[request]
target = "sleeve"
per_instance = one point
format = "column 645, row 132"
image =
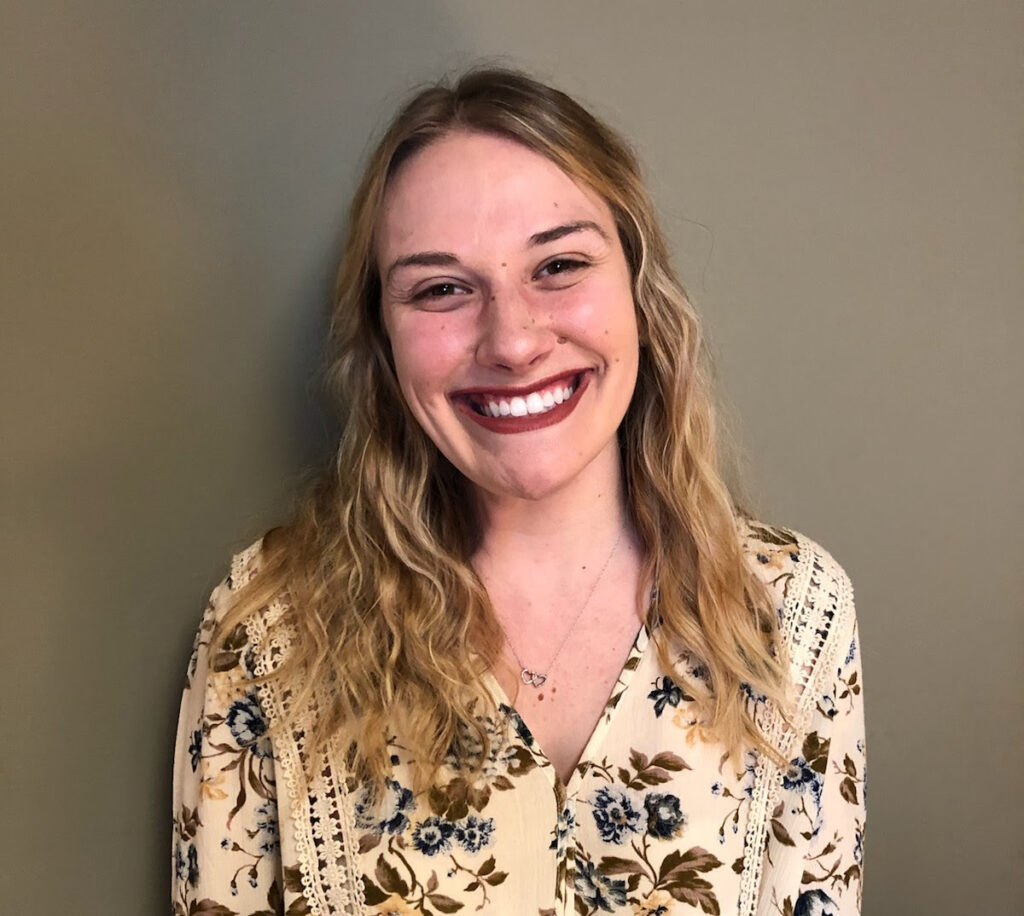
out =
column 818, row 824
column 226, row 843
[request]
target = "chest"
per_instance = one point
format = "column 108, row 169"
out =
column 562, row 712
column 648, row 795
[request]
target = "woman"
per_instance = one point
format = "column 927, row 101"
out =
column 519, row 652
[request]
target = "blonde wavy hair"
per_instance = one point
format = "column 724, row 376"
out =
column 390, row 628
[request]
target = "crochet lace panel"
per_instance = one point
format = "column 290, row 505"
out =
column 818, row 603
column 319, row 810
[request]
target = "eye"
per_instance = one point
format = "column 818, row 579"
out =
column 562, row 265
column 438, row 292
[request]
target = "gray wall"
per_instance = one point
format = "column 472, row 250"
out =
column 843, row 185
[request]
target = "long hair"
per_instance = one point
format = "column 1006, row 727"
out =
column 389, row 627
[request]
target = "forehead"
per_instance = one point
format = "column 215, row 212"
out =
column 469, row 190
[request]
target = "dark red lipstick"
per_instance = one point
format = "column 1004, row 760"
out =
column 472, row 402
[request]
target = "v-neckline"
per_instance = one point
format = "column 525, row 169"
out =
column 622, row 683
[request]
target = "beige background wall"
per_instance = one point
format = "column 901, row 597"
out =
column 844, row 186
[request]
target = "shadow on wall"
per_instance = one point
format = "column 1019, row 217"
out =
column 181, row 176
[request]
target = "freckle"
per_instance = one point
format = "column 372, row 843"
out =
column 493, row 298
column 554, row 690
column 555, row 203
column 533, row 321
column 540, row 697
column 503, row 264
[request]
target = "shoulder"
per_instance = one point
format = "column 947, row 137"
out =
column 245, row 565
column 794, row 568
column 812, row 593
column 221, row 647
column 241, row 571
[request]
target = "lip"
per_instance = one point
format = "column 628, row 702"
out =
column 512, row 425
column 510, row 391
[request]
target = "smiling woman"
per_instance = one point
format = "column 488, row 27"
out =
column 519, row 651
column 530, row 301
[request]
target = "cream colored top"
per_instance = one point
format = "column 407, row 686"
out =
column 652, row 820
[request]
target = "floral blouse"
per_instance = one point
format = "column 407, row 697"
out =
column 654, row 821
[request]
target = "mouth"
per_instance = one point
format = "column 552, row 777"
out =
column 514, row 410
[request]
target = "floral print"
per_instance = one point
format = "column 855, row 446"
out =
column 598, row 891
column 656, row 820
column 666, row 693
column 433, row 836
column 665, row 820
column 815, row 903
column 227, row 836
column 474, row 833
column 390, row 815
column 247, row 726
column 615, row 815
column 563, row 832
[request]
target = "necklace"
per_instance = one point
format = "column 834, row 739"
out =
column 533, row 677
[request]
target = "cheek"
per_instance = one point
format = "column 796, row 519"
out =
column 426, row 349
column 604, row 315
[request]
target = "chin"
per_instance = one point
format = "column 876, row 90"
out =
column 532, row 486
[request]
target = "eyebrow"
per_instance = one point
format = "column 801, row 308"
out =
column 553, row 235
column 446, row 259
column 422, row 259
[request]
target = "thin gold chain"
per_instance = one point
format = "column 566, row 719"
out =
column 531, row 677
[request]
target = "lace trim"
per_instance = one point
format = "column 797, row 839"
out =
column 817, row 604
column 321, row 816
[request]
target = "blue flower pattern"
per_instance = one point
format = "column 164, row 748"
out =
column 195, row 749
column 801, row 779
column 615, row 815
column 665, row 819
column 474, row 833
column 267, row 827
column 599, row 891
column 391, row 815
column 666, row 693
column 815, row 903
column 563, row 832
column 433, row 836
column 247, row 725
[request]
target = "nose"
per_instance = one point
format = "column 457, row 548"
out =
column 514, row 334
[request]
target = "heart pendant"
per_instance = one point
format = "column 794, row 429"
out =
column 532, row 678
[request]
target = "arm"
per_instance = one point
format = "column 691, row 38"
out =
column 821, row 812
column 226, row 844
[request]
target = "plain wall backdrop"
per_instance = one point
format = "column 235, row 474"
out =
column 843, row 184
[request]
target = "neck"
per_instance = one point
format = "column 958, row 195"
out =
column 562, row 527
column 561, row 573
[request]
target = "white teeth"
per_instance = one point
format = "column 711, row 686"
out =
column 533, row 403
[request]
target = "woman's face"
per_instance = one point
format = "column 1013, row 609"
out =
column 507, row 301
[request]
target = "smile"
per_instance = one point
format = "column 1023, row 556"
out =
column 514, row 410
column 536, row 402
